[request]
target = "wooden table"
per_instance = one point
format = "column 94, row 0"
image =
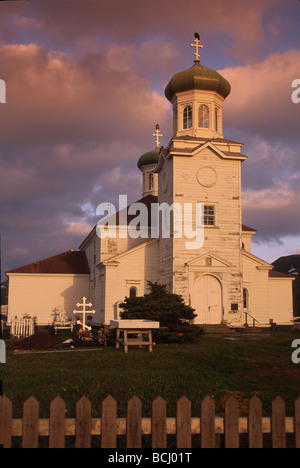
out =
column 127, row 328
column 127, row 340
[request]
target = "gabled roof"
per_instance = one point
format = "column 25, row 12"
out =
column 261, row 264
column 247, row 228
column 216, row 145
column 278, row 274
column 70, row 262
column 114, row 260
column 115, row 219
column 147, row 201
column 212, row 256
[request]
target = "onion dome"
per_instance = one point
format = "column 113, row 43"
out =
column 197, row 77
column 151, row 157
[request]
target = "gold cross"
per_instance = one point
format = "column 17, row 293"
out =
column 157, row 134
column 197, row 45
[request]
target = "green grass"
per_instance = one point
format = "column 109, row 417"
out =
column 213, row 366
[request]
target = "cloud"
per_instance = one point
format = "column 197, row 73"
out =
column 54, row 98
column 76, row 24
column 273, row 211
column 260, row 100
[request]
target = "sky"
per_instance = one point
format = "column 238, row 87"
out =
column 85, row 83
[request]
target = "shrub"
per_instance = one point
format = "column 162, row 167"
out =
column 166, row 308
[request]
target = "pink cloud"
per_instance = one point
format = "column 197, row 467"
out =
column 52, row 97
column 260, row 100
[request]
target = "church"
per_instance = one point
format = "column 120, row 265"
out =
column 216, row 273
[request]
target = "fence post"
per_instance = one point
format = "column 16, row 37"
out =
column 158, row 423
column 297, row 423
column 278, row 423
column 57, row 423
column 255, row 423
column 30, row 432
column 109, row 423
column 5, row 422
column 208, row 426
column 134, row 423
column 183, row 423
column 231, row 423
column 83, row 423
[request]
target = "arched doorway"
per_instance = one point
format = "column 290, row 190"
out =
column 208, row 300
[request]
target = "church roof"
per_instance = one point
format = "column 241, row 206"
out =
column 247, row 228
column 197, row 77
column 147, row 201
column 70, row 262
column 151, row 157
column 278, row 274
column 213, row 140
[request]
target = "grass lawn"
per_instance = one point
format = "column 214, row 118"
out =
column 213, row 366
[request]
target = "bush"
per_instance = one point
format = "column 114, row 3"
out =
column 166, row 308
column 184, row 334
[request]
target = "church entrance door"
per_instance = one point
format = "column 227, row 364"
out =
column 208, row 300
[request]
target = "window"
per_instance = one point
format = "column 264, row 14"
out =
column 203, row 121
column 187, row 117
column 209, row 217
column 133, row 292
column 217, row 120
column 151, row 181
column 245, row 298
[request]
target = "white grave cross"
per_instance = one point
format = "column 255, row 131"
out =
column 84, row 312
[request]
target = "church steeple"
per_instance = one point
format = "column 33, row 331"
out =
column 147, row 163
column 197, row 95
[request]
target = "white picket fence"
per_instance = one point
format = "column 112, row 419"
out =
column 22, row 327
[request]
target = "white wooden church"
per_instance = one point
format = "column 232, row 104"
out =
column 221, row 279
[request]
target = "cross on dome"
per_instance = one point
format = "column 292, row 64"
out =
column 157, row 134
column 197, row 45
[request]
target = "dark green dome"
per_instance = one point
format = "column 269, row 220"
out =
column 197, row 77
column 151, row 157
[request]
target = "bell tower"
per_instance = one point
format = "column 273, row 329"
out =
column 197, row 96
column 147, row 163
column 200, row 167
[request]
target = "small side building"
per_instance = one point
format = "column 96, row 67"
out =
column 46, row 288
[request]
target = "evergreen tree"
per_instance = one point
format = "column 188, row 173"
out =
column 166, row 308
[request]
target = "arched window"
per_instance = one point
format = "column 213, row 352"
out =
column 217, row 120
column 151, row 181
column 203, row 121
column 187, row 117
column 133, row 292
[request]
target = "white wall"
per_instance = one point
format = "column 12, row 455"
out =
column 133, row 269
column 281, row 300
column 39, row 294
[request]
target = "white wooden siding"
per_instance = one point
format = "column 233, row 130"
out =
column 39, row 294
